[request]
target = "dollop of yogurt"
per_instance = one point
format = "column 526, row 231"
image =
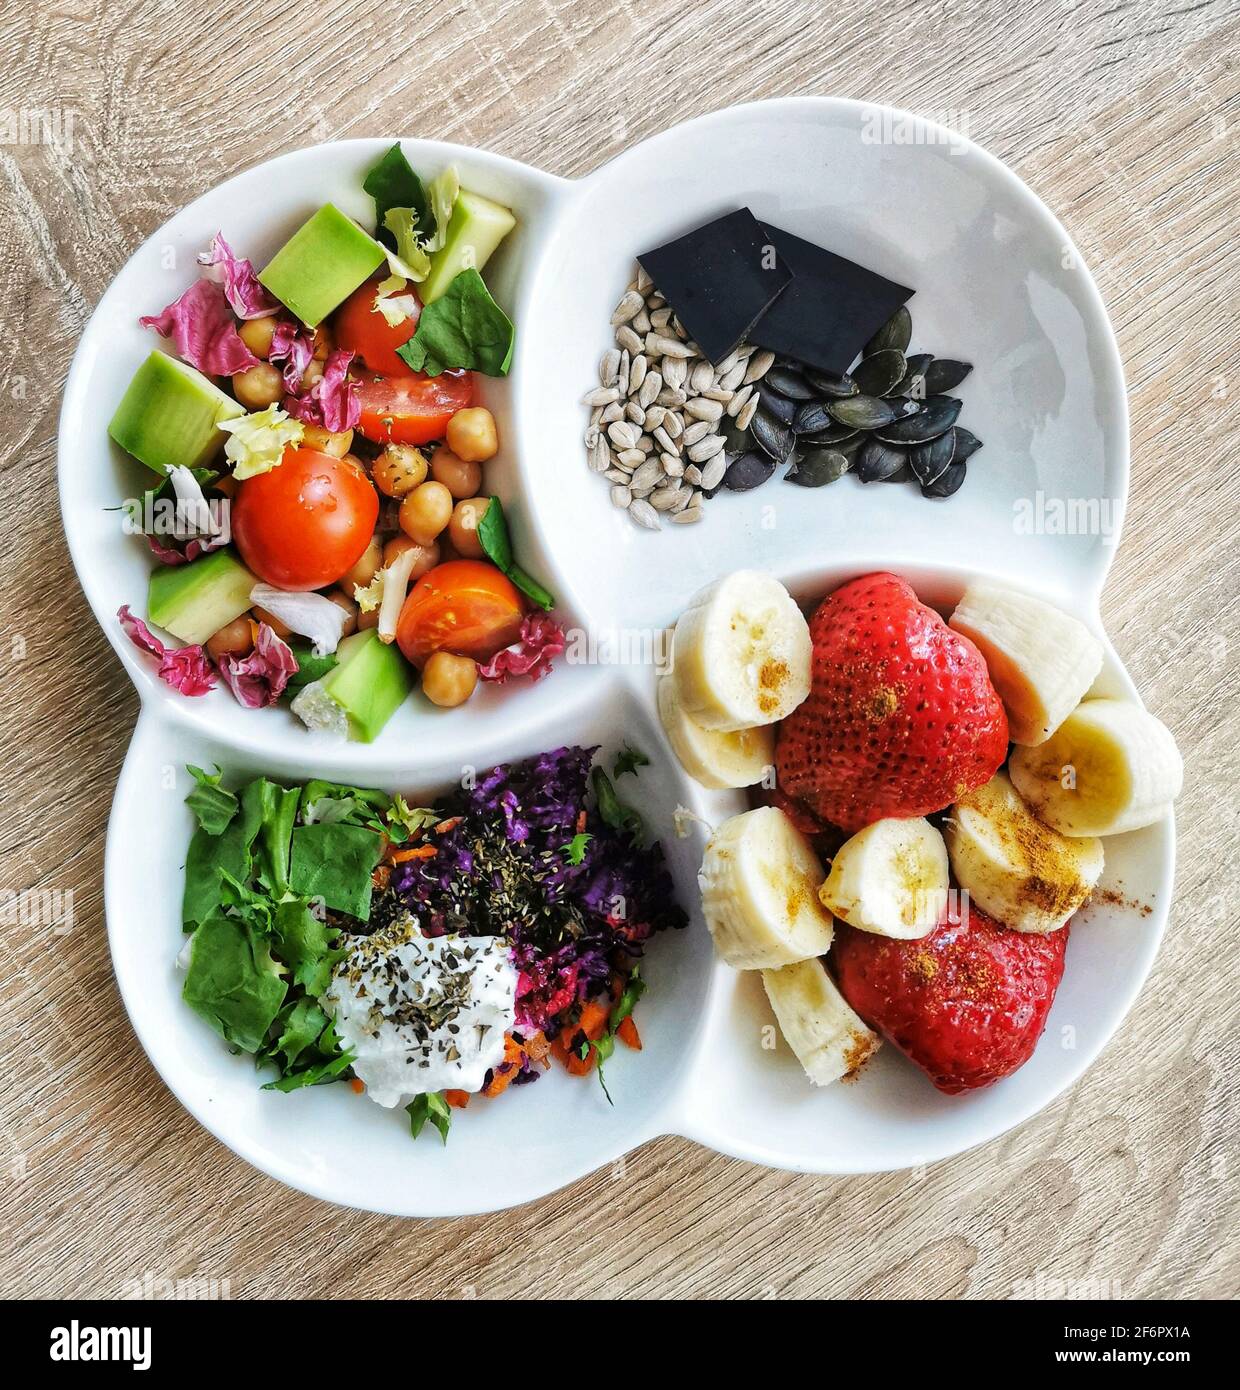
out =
column 423, row 1013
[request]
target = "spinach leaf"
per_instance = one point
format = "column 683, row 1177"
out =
column 305, row 945
column 392, row 183
column 334, row 863
column 276, row 807
column 496, row 543
column 232, row 981
column 429, row 1106
column 211, row 804
column 313, row 1076
column 464, row 328
column 300, row 1025
column 212, row 856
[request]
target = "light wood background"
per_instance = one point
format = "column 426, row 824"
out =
column 1123, row 117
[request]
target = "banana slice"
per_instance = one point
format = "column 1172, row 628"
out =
column 1109, row 767
column 741, row 653
column 1041, row 661
column 714, row 759
column 829, row 1039
column 759, row 882
column 890, row 879
column 1024, row 874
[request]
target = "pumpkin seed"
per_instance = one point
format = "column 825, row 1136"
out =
column 789, row 382
column 748, row 471
column 863, row 412
column 945, row 374
column 948, row 482
column 967, row 444
column 913, row 382
column 877, row 461
column 880, row 372
column 929, row 460
column 830, row 384
column 836, row 434
column 813, row 418
column 895, row 333
column 772, row 436
column 781, row 407
column 817, row 468
column 936, row 416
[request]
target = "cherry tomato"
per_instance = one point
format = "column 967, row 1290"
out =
column 306, row 522
column 463, row 606
column 360, row 328
column 411, row 409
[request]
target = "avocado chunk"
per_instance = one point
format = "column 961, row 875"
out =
column 193, row 601
column 321, row 265
column 169, row 415
column 477, row 227
column 361, row 692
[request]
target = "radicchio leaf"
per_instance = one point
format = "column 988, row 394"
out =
column 248, row 298
column 542, row 639
column 202, row 328
column 331, row 402
column 186, row 669
column 258, row 679
column 294, row 346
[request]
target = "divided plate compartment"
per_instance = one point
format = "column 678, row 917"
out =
column 1046, row 396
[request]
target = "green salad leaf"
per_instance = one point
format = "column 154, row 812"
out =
column 613, row 810
column 415, row 263
column 233, row 981
column 301, row 1024
column 392, row 183
column 333, row 862
column 213, row 807
column 309, row 666
column 433, row 1107
column 463, row 329
column 575, row 850
column 404, row 821
column 210, row 856
column 496, row 543
column 629, row 759
column 277, row 811
column 305, row 944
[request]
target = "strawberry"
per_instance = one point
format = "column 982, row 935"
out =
column 967, row 1003
column 901, row 718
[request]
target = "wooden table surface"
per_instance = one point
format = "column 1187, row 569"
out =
column 1122, row 115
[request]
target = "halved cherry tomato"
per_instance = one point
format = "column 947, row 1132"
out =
column 411, row 409
column 362, row 329
column 464, row 606
column 307, row 521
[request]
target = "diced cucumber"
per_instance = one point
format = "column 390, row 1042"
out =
column 370, row 682
column 170, row 415
column 193, row 601
column 321, row 265
column 477, row 227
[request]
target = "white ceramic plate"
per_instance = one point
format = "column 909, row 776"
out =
column 998, row 283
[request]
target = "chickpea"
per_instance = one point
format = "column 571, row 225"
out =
column 226, row 485
column 399, row 469
column 471, row 434
column 449, row 680
column 462, row 478
column 463, row 528
column 257, row 334
column 425, row 512
column 281, row 630
column 364, row 569
column 311, row 376
column 343, row 600
column 323, row 342
column 233, row 639
column 427, row 558
column 258, row 387
column 315, row 437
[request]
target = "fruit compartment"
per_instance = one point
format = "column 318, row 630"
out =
column 328, row 1140
column 986, row 259
column 257, row 211
column 891, row 1117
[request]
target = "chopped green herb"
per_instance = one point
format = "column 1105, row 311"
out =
column 613, row 810
column 429, row 1106
column 575, row 850
column 629, row 759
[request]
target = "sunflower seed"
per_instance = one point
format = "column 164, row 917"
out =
column 618, row 463
column 591, row 437
column 675, row 373
column 644, row 514
column 664, row 439
column 645, row 443
column 712, row 473
column 634, row 412
column 650, row 472
column 693, row 474
column 740, row 399
column 673, row 424
column 601, row 395
column 688, row 516
column 759, row 364
column 683, row 498
column 654, row 300
column 607, row 367
column 663, row 499
column 599, row 454
column 620, row 495
column 698, row 430
column 611, row 413
column 673, row 465
column 660, row 346
column 702, row 409
column 652, row 384
column 616, row 475
column 730, row 379
column 654, row 416
column 632, row 302
column 630, row 458
column 643, row 283
column 628, row 340
column 660, row 317
column 744, row 417
column 895, row 333
column 670, row 398
column 623, row 435
column 702, row 376
column 641, row 322
column 717, row 393
column 706, row 448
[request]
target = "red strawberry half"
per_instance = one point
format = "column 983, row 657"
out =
column 967, row 1003
column 901, row 719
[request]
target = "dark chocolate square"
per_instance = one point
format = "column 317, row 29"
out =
column 831, row 308
column 719, row 278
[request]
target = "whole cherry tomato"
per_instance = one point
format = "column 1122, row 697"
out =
column 463, row 606
column 362, row 329
column 304, row 523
